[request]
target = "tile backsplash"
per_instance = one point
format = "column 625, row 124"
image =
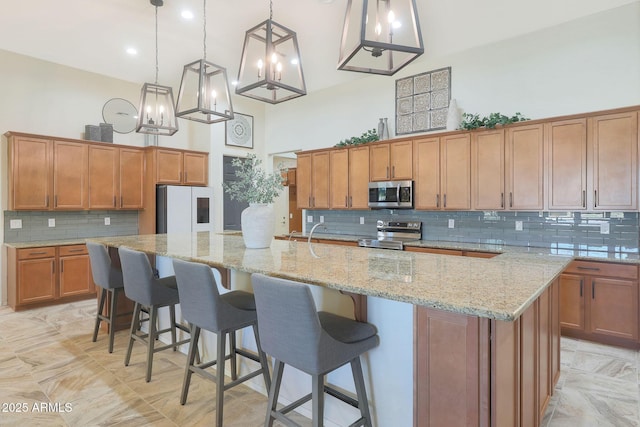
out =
column 68, row 225
column 607, row 231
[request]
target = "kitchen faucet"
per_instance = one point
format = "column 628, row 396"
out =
column 314, row 229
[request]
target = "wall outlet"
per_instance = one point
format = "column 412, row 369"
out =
column 604, row 228
column 452, row 223
column 518, row 225
column 15, row 223
column 309, row 218
column 321, row 218
column 361, row 220
column 290, row 216
column 52, row 222
column 107, row 220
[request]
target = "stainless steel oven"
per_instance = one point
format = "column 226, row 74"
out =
column 393, row 234
column 391, row 195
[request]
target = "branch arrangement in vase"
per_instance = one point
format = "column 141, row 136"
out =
column 368, row 136
column 474, row 121
column 254, row 185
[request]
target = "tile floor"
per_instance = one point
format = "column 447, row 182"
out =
column 46, row 355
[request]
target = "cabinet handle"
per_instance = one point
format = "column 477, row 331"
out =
column 46, row 200
column 350, row 201
column 581, row 283
column 584, row 198
column 55, row 201
column 510, row 200
column 393, row 171
column 346, row 201
column 37, row 253
column 313, row 201
column 445, row 201
column 185, row 176
column 180, row 176
column 61, row 266
column 593, row 289
column 121, row 201
column 589, row 268
column 76, row 250
column 502, row 200
column 53, row 266
column 437, row 200
column 595, row 198
column 114, row 201
column 387, row 171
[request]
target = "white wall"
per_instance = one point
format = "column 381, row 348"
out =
column 585, row 65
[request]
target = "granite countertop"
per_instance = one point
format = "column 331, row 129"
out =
column 499, row 288
column 582, row 252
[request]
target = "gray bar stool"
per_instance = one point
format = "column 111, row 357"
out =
column 109, row 279
column 204, row 308
column 295, row 333
column 143, row 288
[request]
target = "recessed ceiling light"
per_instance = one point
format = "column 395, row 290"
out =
column 234, row 83
column 132, row 51
column 187, row 14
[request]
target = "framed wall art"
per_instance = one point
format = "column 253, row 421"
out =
column 422, row 101
column 239, row 131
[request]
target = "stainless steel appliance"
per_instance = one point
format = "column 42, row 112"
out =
column 391, row 195
column 393, row 234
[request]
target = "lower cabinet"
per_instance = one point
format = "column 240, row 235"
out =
column 599, row 302
column 476, row 371
column 48, row 275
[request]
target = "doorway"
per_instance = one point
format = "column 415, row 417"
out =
column 232, row 209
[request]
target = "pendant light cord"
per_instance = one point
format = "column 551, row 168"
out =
column 157, row 68
column 204, row 14
column 271, row 10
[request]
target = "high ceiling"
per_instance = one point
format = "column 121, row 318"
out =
column 92, row 35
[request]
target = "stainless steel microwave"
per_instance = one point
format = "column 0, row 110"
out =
column 391, row 195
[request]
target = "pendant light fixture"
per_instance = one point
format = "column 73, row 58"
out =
column 156, row 114
column 271, row 68
column 204, row 91
column 380, row 36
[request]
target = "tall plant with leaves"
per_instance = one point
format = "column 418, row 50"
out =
column 254, row 184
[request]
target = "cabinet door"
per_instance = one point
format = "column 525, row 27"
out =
column 195, row 168
column 455, row 158
column 525, row 167
column 614, row 140
column 168, row 167
column 303, row 181
column 487, row 170
column 359, row 178
column 30, row 174
column 379, row 162
column 131, row 179
column 339, row 164
column 36, row 280
column 614, row 308
column 70, row 175
column 401, row 160
column 103, row 177
column 567, row 164
column 426, row 158
column 75, row 275
column 572, row 301
column 320, row 180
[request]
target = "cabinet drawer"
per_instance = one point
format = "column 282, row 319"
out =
column 73, row 250
column 607, row 269
column 34, row 253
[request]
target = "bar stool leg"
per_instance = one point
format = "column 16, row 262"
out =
column 317, row 385
column 274, row 391
column 172, row 316
column 135, row 325
column 361, row 391
column 263, row 359
column 112, row 316
column 193, row 352
column 153, row 317
column 234, row 359
column 221, row 338
column 103, row 297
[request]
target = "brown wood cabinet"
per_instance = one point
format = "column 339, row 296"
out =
column 48, row 275
column 442, row 172
column 180, row 167
column 391, row 161
column 70, row 175
column 524, row 166
column 116, row 177
column 30, row 176
column 312, row 179
column 599, row 302
column 349, row 178
column 614, row 140
column 566, row 148
column 487, row 170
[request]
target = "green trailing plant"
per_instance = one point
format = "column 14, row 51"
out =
column 368, row 136
column 474, row 121
column 253, row 185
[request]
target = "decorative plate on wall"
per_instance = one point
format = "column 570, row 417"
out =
column 239, row 131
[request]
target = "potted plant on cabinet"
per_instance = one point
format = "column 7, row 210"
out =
column 259, row 189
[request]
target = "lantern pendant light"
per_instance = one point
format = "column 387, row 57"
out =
column 204, row 91
column 156, row 114
column 380, row 36
column 271, row 68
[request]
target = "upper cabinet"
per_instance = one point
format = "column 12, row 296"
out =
column 349, row 178
column 614, row 140
column 181, row 167
column 312, row 179
column 115, row 177
column 30, row 176
column 391, row 161
column 70, row 175
column 524, row 167
column 566, row 148
column 487, row 170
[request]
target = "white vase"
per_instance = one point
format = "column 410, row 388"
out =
column 453, row 116
column 258, row 223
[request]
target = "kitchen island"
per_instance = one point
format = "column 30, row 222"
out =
column 468, row 341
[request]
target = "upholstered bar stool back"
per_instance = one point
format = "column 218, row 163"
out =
column 294, row 333
column 151, row 293
column 204, row 308
column 109, row 279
